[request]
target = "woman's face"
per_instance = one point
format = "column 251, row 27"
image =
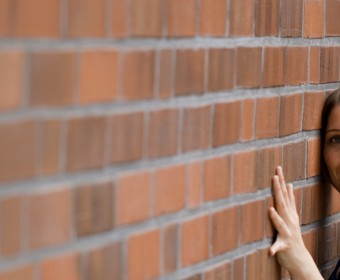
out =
column 332, row 147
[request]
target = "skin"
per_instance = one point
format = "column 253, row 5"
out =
column 332, row 147
column 289, row 246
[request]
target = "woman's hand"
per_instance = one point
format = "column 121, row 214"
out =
column 289, row 247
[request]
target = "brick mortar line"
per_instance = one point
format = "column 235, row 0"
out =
column 184, row 215
column 109, row 173
column 99, row 240
column 163, row 43
column 179, row 102
column 206, row 208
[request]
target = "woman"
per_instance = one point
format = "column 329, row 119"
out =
column 289, row 247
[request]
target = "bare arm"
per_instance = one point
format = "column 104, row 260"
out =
column 289, row 246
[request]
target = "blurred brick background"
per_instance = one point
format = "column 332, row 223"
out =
column 138, row 137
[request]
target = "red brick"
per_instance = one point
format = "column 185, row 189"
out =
column 10, row 226
column 216, row 178
column 314, row 21
column 291, row 18
column 143, row 256
column 242, row 17
column 314, row 65
column 313, row 103
column 5, row 16
column 296, row 65
column 329, row 64
column 127, row 134
column 18, row 150
column 194, row 277
column 98, row 76
column 195, row 178
column 313, row 157
column 253, row 268
column 238, row 268
column 245, row 172
column 52, row 78
column 222, row 272
column 133, row 197
column 50, row 147
column 273, row 72
column 332, row 18
column 267, row 117
column 225, row 230
column 11, row 78
column 298, row 195
column 26, row 272
column 195, row 240
column 85, row 143
column 118, row 18
column 213, row 17
column 138, row 75
column 105, row 263
column 260, row 265
column 49, row 218
column 93, row 208
column 270, row 229
column 311, row 210
column 294, row 161
column 310, row 240
column 267, row 160
column 61, row 267
column 38, row 19
column 196, row 129
column 181, row 18
column 166, row 65
column 221, row 69
column 163, row 133
column 169, row 193
column 227, row 123
column 290, row 114
column 249, row 61
column 146, row 18
column 86, row 18
column 267, row 18
column 252, row 221
column 248, row 120
column 189, row 77
column 327, row 243
column 170, row 248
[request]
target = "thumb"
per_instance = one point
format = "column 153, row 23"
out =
column 276, row 247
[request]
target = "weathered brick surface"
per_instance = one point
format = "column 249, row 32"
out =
column 139, row 138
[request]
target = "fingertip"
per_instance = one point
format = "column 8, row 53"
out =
column 275, row 178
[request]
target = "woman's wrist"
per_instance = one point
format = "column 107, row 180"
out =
column 305, row 268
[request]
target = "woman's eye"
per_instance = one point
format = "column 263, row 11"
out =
column 334, row 139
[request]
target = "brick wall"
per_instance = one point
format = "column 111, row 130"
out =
column 138, row 137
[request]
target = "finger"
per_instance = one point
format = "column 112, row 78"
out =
column 291, row 196
column 276, row 247
column 278, row 196
column 282, row 183
column 278, row 222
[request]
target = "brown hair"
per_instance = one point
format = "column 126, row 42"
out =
column 331, row 101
